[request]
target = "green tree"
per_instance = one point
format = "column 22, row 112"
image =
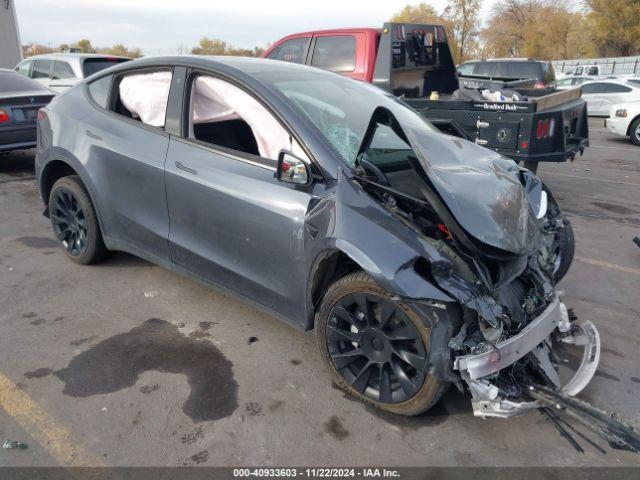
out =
column 85, row 46
column 421, row 13
column 121, row 51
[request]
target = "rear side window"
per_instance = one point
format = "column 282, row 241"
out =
column 593, row 87
column 485, row 69
column 14, row 82
column 24, row 68
column 41, row 69
column 62, row 70
column 466, row 68
column 592, row 71
column 578, row 71
column 144, row 96
column 525, row 70
column 94, row 65
column 337, row 53
column 293, row 50
column 615, row 88
column 99, row 90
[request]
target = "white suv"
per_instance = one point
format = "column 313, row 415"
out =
column 59, row 71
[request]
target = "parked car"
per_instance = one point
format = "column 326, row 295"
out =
column 414, row 62
column 601, row 95
column 327, row 203
column 581, row 71
column 624, row 119
column 59, row 71
column 20, row 100
column 570, row 82
column 510, row 69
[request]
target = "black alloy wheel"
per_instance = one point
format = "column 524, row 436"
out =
column 74, row 221
column 376, row 348
column 69, row 221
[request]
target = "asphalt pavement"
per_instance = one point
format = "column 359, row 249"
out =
column 127, row 364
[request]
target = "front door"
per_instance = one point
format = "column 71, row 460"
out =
column 232, row 222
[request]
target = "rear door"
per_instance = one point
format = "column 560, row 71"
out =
column 41, row 71
column 292, row 50
column 592, row 93
column 62, row 76
column 128, row 146
column 341, row 53
column 615, row 93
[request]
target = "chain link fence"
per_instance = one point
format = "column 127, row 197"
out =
column 608, row 66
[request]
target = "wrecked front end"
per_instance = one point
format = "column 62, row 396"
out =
column 488, row 222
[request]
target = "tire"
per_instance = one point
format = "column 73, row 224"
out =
column 634, row 132
column 74, row 221
column 428, row 389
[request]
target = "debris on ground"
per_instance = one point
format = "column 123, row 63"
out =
column 252, row 340
column 636, row 240
column 8, row 445
column 151, row 294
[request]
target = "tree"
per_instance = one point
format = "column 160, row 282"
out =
column 461, row 18
column 421, row 13
column 208, row 46
column 614, row 26
column 213, row 46
column 121, row 51
column 85, row 46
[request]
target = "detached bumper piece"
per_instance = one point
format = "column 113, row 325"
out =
column 478, row 371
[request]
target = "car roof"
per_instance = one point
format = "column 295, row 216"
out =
column 247, row 65
column 74, row 57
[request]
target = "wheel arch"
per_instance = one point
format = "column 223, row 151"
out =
column 633, row 120
column 406, row 280
column 57, row 167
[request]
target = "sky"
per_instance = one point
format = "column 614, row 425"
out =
column 165, row 26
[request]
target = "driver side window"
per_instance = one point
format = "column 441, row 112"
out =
column 223, row 115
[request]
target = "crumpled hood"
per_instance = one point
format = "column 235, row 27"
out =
column 481, row 189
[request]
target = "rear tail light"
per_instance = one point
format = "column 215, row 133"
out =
column 539, row 85
column 4, row 116
column 545, row 128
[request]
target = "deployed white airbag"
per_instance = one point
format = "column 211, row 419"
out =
column 146, row 95
column 216, row 100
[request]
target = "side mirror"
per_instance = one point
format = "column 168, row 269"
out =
column 292, row 169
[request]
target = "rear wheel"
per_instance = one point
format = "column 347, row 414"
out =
column 634, row 131
column 74, row 221
column 375, row 348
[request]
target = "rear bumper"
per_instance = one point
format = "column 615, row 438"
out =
column 617, row 125
column 574, row 147
column 18, row 137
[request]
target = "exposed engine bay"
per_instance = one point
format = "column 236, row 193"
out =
column 514, row 326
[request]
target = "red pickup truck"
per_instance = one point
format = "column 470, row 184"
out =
column 414, row 62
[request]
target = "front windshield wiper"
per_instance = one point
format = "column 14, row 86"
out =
column 392, row 191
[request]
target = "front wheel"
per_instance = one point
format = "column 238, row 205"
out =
column 564, row 242
column 375, row 348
